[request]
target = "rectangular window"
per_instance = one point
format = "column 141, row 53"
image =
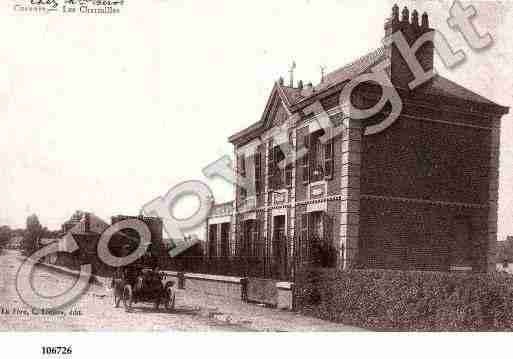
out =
column 288, row 175
column 279, row 173
column 243, row 166
column 304, row 226
column 312, row 164
column 305, row 168
column 225, row 239
column 258, row 173
column 328, row 160
column 212, row 241
column 271, row 164
column 315, row 164
column 303, row 237
column 241, row 172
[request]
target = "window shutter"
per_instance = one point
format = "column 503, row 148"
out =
column 213, row 241
column 239, row 162
column 243, row 166
column 328, row 159
column 241, row 173
column 305, row 168
column 288, row 175
column 312, row 156
column 277, row 171
column 258, row 173
column 271, row 166
column 303, row 249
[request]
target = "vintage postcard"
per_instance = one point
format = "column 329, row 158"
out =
column 272, row 166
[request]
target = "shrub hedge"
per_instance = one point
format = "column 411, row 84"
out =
column 408, row 301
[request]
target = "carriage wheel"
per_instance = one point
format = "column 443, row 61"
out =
column 170, row 299
column 128, row 296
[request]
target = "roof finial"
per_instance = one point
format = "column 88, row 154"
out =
column 291, row 73
column 406, row 14
column 425, row 20
column 323, row 69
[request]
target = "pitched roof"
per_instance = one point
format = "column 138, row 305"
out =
column 437, row 86
column 293, row 94
column 441, row 86
column 288, row 96
column 349, row 71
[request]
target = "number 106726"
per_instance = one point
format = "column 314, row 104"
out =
column 56, row 350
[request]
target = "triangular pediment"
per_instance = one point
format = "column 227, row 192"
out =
column 277, row 109
column 276, row 112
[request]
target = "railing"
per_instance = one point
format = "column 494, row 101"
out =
column 313, row 252
column 263, row 258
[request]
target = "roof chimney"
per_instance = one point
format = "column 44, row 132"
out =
column 415, row 19
column 395, row 13
column 425, row 21
column 308, row 90
column 400, row 72
column 406, row 15
column 291, row 73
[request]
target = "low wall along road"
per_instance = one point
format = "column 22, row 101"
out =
column 278, row 294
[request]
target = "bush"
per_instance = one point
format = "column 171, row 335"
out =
column 399, row 300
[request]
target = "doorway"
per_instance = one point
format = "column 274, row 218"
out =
column 279, row 245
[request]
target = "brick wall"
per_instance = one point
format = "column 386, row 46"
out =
column 428, row 160
column 424, row 185
column 420, row 236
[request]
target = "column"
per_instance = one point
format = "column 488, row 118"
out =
column 493, row 194
column 235, row 209
column 266, row 186
column 292, row 199
column 350, row 192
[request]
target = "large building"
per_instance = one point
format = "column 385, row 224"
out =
column 420, row 194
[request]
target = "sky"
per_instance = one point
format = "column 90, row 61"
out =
column 103, row 113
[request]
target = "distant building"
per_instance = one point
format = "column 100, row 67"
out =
column 15, row 242
column 84, row 222
column 86, row 229
column 505, row 255
column 219, row 228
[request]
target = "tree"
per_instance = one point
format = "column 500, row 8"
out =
column 5, row 236
column 34, row 231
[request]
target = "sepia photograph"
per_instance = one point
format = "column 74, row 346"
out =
column 340, row 167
